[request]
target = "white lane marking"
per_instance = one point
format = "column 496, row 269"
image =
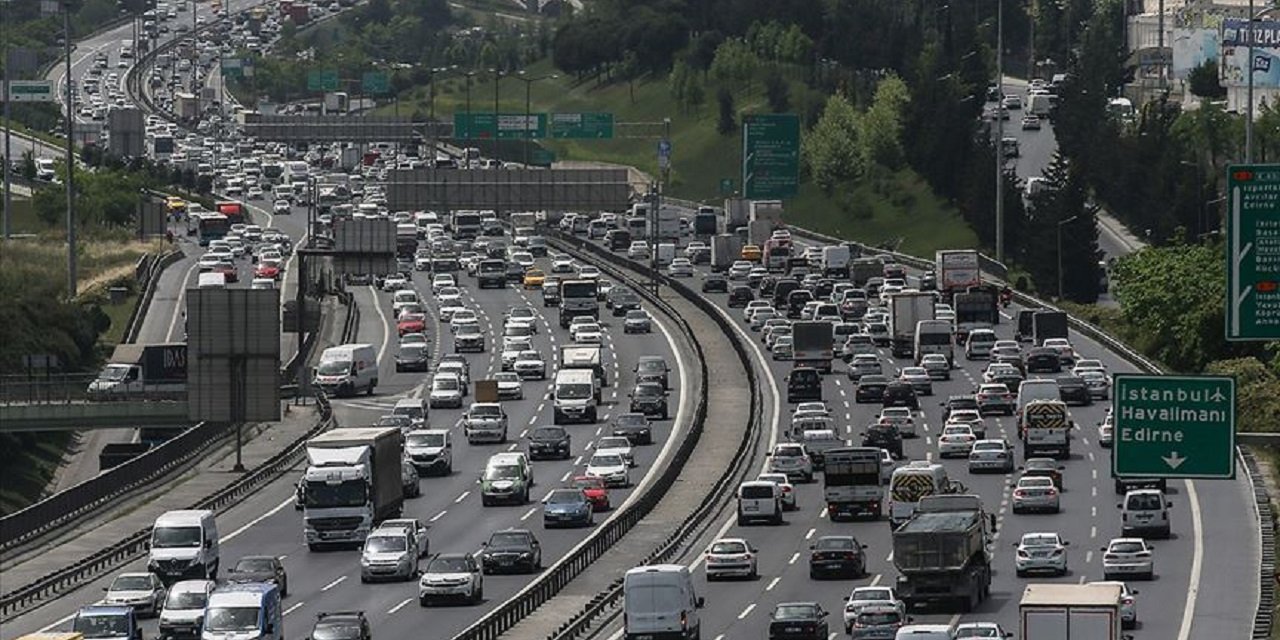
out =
column 1197, row 557
column 399, row 606
column 335, row 583
column 1088, row 556
column 232, row 536
column 386, row 326
column 809, row 534
column 565, row 477
column 528, row 513
column 462, row 497
column 292, row 608
column 438, row 516
column 773, row 583
column 1093, row 532
column 876, row 580
column 795, row 556
column 182, row 297
column 746, row 612
column 578, row 462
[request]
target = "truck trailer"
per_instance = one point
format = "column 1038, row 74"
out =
column 1049, row 324
column 851, row 483
column 957, row 270
column 1070, row 612
column 907, row 309
column 352, row 483
column 813, row 345
column 941, row 553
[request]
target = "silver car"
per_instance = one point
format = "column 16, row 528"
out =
column 1043, row 552
column 991, row 455
column 1035, row 493
column 388, row 555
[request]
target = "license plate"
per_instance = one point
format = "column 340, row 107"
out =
column 792, row 629
column 506, row 561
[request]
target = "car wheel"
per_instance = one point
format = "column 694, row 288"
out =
column 423, row 601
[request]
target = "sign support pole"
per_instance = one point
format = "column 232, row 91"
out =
column 8, row 126
column 71, row 160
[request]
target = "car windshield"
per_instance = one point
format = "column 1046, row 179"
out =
column 386, row 544
column 425, row 439
column 185, row 600
column 608, row 460
column 502, row 472
column 131, row 583
column 1032, row 540
column 334, row 367
column 648, row 390
column 103, row 626
column 175, row 537
column 564, row 497
column 508, row 540
column 335, row 631
column 835, row 543
column 795, row 612
column 448, row 565
column 1126, row 547
column 651, row 366
column 573, row 391
column 255, row 565
column 729, row 547
column 231, row 619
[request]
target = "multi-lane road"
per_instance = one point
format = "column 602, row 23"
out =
column 329, row 581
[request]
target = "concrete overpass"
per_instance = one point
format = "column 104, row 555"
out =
column 85, row 416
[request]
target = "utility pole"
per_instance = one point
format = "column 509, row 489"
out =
column 70, row 157
column 8, row 122
column 1000, row 131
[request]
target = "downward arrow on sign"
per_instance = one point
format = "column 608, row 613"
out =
column 1173, row 460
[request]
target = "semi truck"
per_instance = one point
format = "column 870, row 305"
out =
column 1049, row 324
column 941, row 553
column 578, row 298
column 851, row 482
column 1045, row 427
column 957, row 270
column 705, row 222
column 152, row 370
column 906, row 310
column 1070, row 612
column 725, row 249
column 352, row 483
column 813, row 345
column 864, row 269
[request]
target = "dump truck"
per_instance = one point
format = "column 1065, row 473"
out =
column 1049, row 324
column 851, row 482
column 1070, row 612
column 351, row 484
column 143, row 370
column 905, row 310
column 813, row 345
column 957, row 270
column 941, row 553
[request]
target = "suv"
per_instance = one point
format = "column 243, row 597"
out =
column 514, row 550
column 342, row 625
column 759, row 500
column 650, row 399
column 653, row 369
column 452, row 575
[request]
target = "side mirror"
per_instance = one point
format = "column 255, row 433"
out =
column 104, row 589
column 701, row 602
column 1119, row 505
column 1066, row 543
column 1102, row 548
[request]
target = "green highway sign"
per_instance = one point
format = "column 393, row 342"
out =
column 322, row 80
column 1173, row 426
column 376, row 83
column 1253, row 252
column 31, row 91
column 770, row 156
column 506, row 126
column 582, row 125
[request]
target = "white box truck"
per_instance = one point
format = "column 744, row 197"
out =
column 957, row 270
column 1070, row 612
column 725, row 249
column 906, row 310
column 835, row 261
column 353, row 481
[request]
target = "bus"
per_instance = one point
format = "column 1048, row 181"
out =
column 234, row 211
column 776, row 253
column 207, row 226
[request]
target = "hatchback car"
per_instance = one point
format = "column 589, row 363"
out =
column 595, row 489
column 144, row 592
column 991, row 455
column 1128, row 557
column 260, row 569
column 634, row 426
column 1035, row 494
column 1041, row 552
column 550, row 442
column 876, row 622
column 731, row 557
column 864, row 597
column 567, row 507
column 956, row 441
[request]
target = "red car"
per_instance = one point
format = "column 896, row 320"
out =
column 595, row 490
column 411, row 323
column 228, row 270
column 267, row 269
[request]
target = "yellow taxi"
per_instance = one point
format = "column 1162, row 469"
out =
column 751, row 252
column 174, row 203
column 534, row 278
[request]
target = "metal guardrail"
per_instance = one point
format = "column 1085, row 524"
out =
column 350, row 326
column 1264, row 617
column 149, row 281
column 27, row 597
column 604, row 603
column 556, row 577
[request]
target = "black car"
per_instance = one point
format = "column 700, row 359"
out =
column 515, row 272
column 549, row 442
column 928, row 281
column 1010, row 380
column 837, row 555
column 1043, row 360
column 870, row 389
column 1073, row 390
column 754, row 278
column 884, row 436
column 260, row 569
column 796, row 300
column 715, row 284
column 413, row 357
column 955, row 403
column 781, row 289
column 617, row 239
column 341, row 625
column 634, row 426
column 823, row 289
column 622, row 300
column 653, row 369
column 511, row 551
column 798, row 621
column 900, row 394
column 650, row 399
column 739, row 296
column 804, row 384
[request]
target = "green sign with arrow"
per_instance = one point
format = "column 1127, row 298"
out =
column 1173, row 426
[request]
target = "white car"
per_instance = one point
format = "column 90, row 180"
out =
column 1088, row 364
column 1097, row 382
column 610, row 467
column 1106, row 432
column 449, row 297
column 918, row 378
column 396, row 282
column 562, row 264
column 442, row 280
column 936, row 366
column 530, row 365
column 680, row 268
column 1035, row 493
column 1128, row 603
column 956, row 441
column 1041, row 552
column 452, row 575
column 730, row 557
column 142, row 591
column 463, row 317
column 638, row 250
column 901, row 418
column 1128, row 557
column 586, row 333
column 446, row 391
column 1066, row 352
column 863, row 597
column 281, row 208
column 523, row 315
column 739, row 270
column 447, row 310
column 887, row 465
column 981, row 630
column 970, row 417
column 616, row 444
column 791, row 459
column 588, row 272
column 788, row 489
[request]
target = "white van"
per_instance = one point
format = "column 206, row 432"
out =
column 1029, row 390
column 184, row 544
column 249, row 611
column 909, row 483
column 979, row 344
column 659, row 601
column 574, row 396
column 347, row 369
column 759, row 499
column 212, row 280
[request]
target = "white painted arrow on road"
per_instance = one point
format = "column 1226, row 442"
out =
column 1173, row 460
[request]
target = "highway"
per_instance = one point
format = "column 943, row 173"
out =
column 1204, row 588
column 328, row 581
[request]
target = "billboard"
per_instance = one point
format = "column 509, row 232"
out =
column 1235, row 62
column 1192, row 48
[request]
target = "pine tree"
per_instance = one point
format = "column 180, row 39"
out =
column 1062, row 217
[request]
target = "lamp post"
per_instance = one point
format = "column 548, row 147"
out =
column 1000, row 131
column 8, row 123
column 469, row 75
column 528, row 90
column 70, row 153
column 1061, row 223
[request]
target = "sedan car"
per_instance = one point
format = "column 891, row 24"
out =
column 1044, row 467
column 596, row 491
column 991, row 455
column 918, row 378
column 791, row 459
column 637, row 321
column 1128, row 557
column 996, row 398
column 612, row 468
column 452, row 575
column 864, row 365
column 616, row 444
column 549, row 442
column 863, row 597
column 884, row 436
column 715, row 284
column 1128, row 603
column 956, row 441
column 936, row 365
column 567, row 507
column 870, row 389
column 144, row 592
column 511, row 551
column 837, row 555
column 1041, row 552
column 1106, row 432
column 730, row 557
column 680, row 268
column 1097, row 382
column 634, row 427
column 260, row 569
column 798, row 621
column 1034, row 493
column 784, row 483
column 1074, row 390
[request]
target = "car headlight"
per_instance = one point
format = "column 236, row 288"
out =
column 364, row 562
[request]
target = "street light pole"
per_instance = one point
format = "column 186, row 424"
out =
column 469, row 75
column 1248, row 122
column 528, row 90
column 70, row 155
column 8, row 123
column 1060, row 225
column 1000, row 131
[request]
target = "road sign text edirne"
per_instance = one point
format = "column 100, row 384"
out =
column 1173, row 426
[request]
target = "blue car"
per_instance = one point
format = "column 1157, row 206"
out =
column 567, row 507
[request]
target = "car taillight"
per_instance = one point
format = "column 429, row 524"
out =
column 684, row 620
column 1127, row 601
column 1019, row 493
column 786, row 489
column 1051, row 491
